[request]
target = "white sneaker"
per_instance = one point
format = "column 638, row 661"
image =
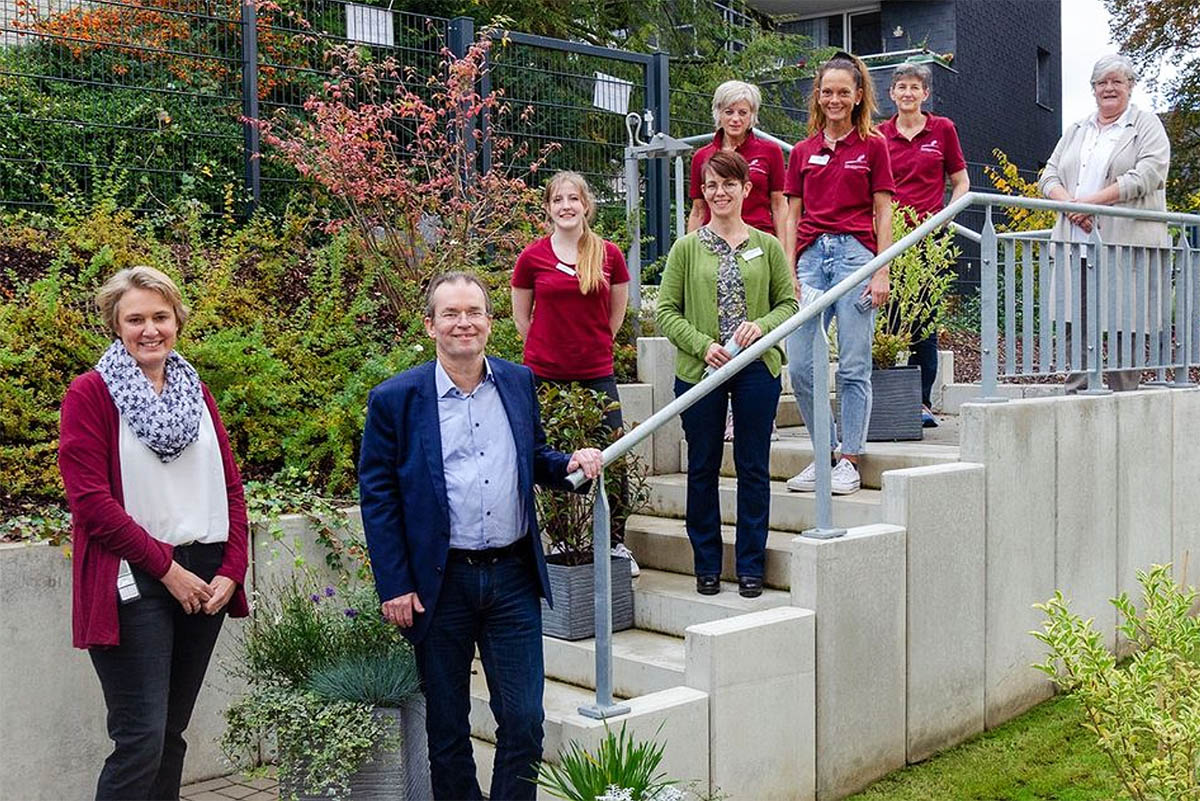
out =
column 621, row 551
column 805, row 480
column 844, row 478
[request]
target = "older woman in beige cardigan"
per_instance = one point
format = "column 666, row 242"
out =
column 1116, row 156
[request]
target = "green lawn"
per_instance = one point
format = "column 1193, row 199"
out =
column 1044, row 755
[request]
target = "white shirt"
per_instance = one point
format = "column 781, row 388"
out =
column 177, row 502
column 1094, row 154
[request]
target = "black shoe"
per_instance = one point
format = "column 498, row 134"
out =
column 749, row 586
column 708, row 585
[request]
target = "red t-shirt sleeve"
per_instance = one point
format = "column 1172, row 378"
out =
column 775, row 169
column 618, row 272
column 881, row 165
column 695, row 190
column 523, row 270
column 793, row 186
column 954, row 154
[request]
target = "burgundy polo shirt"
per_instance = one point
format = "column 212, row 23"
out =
column 920, row 166
column 766, row 176
column 837, row 186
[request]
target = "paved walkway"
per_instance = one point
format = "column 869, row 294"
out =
column 236, row 787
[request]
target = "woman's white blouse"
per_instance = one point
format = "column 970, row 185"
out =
column 177, row 502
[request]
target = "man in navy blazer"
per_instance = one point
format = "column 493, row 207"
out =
column 450, row 453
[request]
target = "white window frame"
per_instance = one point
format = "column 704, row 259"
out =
column 845, row 15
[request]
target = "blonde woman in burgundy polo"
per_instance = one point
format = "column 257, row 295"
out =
column 569, row 294
column 839, row 187
column 158, row 525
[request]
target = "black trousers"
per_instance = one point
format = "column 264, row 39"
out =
column 150, row 683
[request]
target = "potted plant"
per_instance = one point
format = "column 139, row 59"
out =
column 573, row 418
column 621, row 769
column 334, row 691
column 920, row 283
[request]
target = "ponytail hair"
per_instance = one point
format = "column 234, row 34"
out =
column 862, row 114
column 590, row 268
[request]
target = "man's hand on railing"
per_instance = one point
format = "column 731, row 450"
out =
column 716, row 356
column 746, row 333
column 879, row 287
column 589, row 460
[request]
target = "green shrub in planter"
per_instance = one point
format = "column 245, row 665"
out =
column 620, row 768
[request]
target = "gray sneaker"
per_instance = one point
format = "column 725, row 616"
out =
column 844, row 478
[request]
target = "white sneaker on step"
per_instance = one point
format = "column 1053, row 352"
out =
column 805, row 480
column 844, row 479
column 621, row 551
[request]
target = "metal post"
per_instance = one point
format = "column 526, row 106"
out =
column 680, row 217
column 658, row 195
column 602, row 595
column 990, row 335
column 1184, row 311
column 250, row 134
column 485, row 117
column 1091, row 303
column 821, row 445
column 459, row 37
column 633, row 218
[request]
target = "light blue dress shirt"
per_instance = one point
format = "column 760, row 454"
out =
column 479, row 462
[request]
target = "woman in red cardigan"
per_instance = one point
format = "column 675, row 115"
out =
column 159, row 531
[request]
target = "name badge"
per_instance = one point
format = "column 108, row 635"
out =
column 819, row 159
column 562, row 268
column 752, row 253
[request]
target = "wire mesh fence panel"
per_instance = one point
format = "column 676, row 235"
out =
column 570, row 106
column 138, row 98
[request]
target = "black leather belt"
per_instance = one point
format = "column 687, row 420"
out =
column 490, row 556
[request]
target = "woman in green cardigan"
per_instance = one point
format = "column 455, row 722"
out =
column 725, row 285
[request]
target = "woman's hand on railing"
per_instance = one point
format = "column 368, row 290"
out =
column 1084, row 221
column 746, row 333
column 716, row 356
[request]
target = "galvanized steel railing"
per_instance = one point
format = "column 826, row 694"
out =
column 1176, row 268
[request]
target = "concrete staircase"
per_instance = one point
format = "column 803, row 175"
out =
column 651, row 657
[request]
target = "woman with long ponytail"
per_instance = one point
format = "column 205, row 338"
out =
column 569, row 294
column 839, row 186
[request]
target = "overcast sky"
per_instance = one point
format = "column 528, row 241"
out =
column 1086, row 37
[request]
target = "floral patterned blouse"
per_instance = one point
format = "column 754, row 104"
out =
column 731, row 290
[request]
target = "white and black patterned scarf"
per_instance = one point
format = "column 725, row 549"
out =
column 165, row 423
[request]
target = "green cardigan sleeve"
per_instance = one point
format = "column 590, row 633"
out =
column 668, row 309
column 781, row 293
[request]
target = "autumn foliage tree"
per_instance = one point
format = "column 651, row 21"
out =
column 404, row 157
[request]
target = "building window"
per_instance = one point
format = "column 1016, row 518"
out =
column 1045, row 83
column 860, row 32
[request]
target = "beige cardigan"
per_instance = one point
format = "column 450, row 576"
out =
column 1138, row 165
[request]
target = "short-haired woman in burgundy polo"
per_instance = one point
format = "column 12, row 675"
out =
column 158, row 526
column 735, row 106
column 726, row 281
column 569, row 294
column 839, row 187
column 925, row 151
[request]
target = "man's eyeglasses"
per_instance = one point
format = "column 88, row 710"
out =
column 472, row 315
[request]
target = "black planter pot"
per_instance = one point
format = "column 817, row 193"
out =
column 895, row 405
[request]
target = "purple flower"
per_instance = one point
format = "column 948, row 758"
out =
column 329, row 592
column 315, row 598
column 351, row 613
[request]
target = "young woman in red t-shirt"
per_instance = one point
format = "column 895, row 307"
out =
column 569, row 293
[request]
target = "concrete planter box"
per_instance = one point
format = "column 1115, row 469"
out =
column 895, row 405
column 399, row 774
column 573, row 616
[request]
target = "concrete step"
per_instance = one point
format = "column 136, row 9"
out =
column 668, row 602
column 485, row 759
column 790, row 511
column 955, row 395
column 643, row 661
column 559, row 700
column 662, row 543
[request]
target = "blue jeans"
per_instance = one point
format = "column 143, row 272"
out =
column 755, row 396
column 822, row 265
column 496, row 607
